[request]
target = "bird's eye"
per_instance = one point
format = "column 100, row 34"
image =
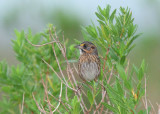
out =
column 84, row 46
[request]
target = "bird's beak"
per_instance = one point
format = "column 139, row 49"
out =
column 78, row 46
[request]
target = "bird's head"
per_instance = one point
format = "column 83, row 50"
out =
column 87, row 48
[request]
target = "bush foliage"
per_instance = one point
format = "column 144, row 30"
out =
column 46, row 81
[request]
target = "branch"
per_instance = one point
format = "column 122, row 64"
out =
column 22, row 104
column 152, row 106
column 111, row 74
column 60, row 101
column 127, row 67
column 35, row 45
column 41, row 110
column 66, row 94
column 45, row 90
column 102, row 100
column 158, row 108
column 60, row 95
column 59, row 76
column 146, row 105
column 63, row 50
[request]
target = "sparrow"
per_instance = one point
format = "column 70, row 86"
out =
column 89, row 62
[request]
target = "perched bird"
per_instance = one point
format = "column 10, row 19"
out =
column 89, row 62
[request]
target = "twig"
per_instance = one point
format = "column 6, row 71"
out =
column 101, row 109
column 54, row 108
column 59, row 99
column 79, row 94
column 59, row 76
column 41, row 106
column 22, row 104
column 60, row 102
column 105, row 59
column 75, row 68
column 66, row 94
column 102, row 100
column 152, row 106
column 111, row 74
column 46, row 93
column 104, row 65
column 127, row 67
column 143, row 102
column 84, row 93
column 41, row 110
column 63, row 52
column 68, row 74
column 146, row 105
column 36, row 45
column 158, row 108
column 68, row 65
column 58, row 63
column 59, row 44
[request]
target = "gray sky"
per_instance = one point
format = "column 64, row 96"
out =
column 143, row 12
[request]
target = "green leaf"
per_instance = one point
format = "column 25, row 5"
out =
column 123, row 58
column 139, row 86
column 131, row 29
column 127, row 84
column 92, row 31
column 140, row 74
column 112, row 16
column 141, row 112
column 113, row 55
column 6, row 89
column 100, row 16
column 111, row 108
column 107, row 11
column 141, row 93
column 115, row 49
column 120, row 90
column 141, row 71
column 131, row 41
column 100, row 32
column 101, row 23
column 119, row 102
column 143, row 65
column 17, row 33
column 112, row 90
column 135, row 69
column 90, row 97
column 121, row 72
column 101, row 11
column 75, row 105
column 122, row 10
column 128, row 50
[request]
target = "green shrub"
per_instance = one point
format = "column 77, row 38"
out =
column 44, row 81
